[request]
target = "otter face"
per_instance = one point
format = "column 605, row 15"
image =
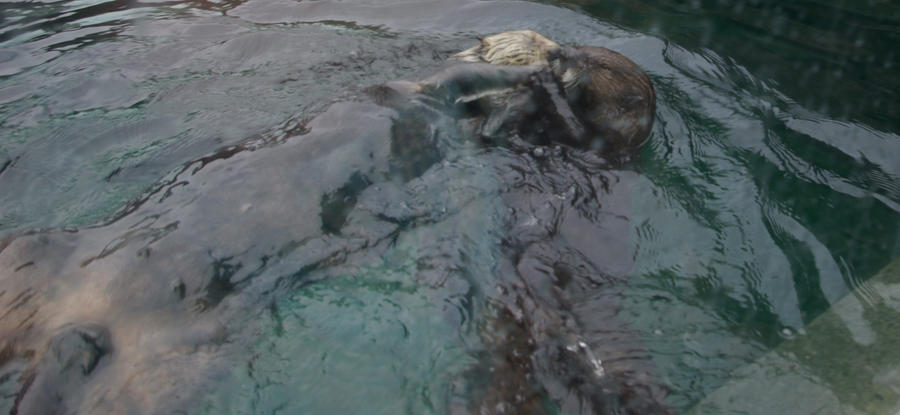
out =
column 518, row 47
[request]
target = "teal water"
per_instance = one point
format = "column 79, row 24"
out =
column 767, row 192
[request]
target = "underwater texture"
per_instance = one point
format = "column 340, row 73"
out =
column 203, row 209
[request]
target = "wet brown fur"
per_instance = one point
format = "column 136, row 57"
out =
column 614, row 95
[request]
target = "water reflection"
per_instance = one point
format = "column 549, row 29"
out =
column 835, row 57
column 748, row 186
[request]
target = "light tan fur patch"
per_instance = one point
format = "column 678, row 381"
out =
column 517, row 47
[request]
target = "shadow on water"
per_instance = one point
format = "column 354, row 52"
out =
column 238, row 259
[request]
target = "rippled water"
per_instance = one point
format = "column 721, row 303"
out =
column 767, row 193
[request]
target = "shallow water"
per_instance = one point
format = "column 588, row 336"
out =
column 768, row 191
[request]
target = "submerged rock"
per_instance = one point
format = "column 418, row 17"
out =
column 148, row 312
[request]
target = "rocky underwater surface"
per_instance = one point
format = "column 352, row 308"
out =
column 238, row 227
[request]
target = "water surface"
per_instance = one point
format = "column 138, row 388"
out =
column 767, row 192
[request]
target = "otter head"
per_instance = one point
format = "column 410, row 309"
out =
column 517, row 47
column 611, row 95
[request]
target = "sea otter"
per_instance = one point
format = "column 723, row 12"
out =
column 520, row 81
column 149, row 311
column 533, row 93
column 609, row 94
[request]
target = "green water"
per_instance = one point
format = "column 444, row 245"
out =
column 769, row 189
column 834, row 57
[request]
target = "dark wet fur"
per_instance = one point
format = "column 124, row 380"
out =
column 613, row 95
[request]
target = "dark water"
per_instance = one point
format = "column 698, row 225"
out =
column 768, row 192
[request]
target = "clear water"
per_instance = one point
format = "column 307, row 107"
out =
column 768, row 190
